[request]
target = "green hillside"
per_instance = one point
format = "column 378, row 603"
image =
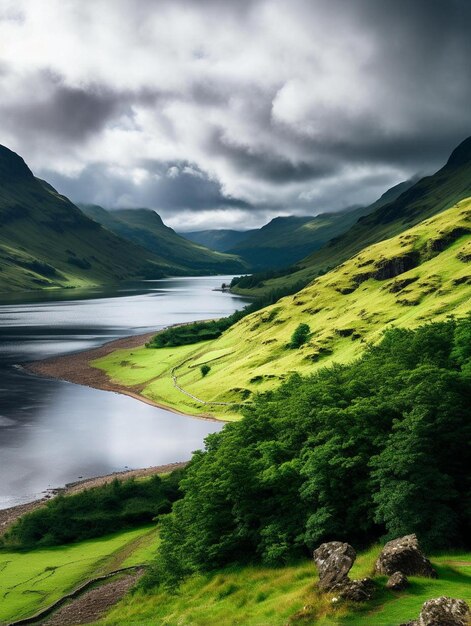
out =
column 220, row 240
column 46, row 241
column 146, row 228
column 425, row 198
column 287, row 595
column 422, row 274
column 286, row 240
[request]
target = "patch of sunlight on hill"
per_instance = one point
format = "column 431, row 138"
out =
column 420, row 275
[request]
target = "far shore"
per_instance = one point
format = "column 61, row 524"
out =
column 75, row 368
column 10, row 515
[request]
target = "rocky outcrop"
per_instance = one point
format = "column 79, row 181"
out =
column 397, row 582
column 443, row 612
column 334, row 560
column 404, row 555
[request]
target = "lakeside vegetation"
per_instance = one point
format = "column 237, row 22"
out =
column 95, row 512
column 186, row 334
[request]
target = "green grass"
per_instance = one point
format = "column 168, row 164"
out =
column 426, row 198
column 33, row 580
column 261, row 596
column 345, row 309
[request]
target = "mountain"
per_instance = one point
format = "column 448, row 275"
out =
column 420, row 275
column 286, row 240
column 46, row 241
column 220, row 240
column 425, row 198
column 146, row 228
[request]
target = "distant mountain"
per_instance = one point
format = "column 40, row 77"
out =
column 146, row 228
column 426, row 197
column 46, row 241
column 286, row 240
column 420, row 275
column 220, row 240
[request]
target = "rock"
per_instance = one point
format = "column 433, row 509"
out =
column 404, row 555
column 333, row 560
column 444, row 612
column 397, row 582
column 359, row 590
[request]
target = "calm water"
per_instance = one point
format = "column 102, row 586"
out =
column 53, row 432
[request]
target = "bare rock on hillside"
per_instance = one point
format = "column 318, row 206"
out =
column 397, row 582
column 443, row 611
column 359, row 590
column 333, row 560
column 404, row 555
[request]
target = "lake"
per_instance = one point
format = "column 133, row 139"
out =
column 53, row 432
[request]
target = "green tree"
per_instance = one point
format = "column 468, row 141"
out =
column 205, row 369
column 300, row 336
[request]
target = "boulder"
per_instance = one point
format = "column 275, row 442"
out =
column 444, row 612
column 404, row 555
column 333, row 560
column 359, row 590
column 397, row 582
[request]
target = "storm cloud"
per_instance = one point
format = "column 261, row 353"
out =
column 229, row 113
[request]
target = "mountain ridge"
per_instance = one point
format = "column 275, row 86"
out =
column 145, row 227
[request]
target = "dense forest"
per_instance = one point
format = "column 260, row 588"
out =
column 374, row 449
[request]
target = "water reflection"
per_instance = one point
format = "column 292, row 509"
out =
column 53, row 432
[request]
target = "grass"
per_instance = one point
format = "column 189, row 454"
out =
column 426, row 198
column 346, row 309
column 260, row 596
column 33, row 580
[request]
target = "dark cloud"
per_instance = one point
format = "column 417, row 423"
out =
column 166, row 187
column 252, row 106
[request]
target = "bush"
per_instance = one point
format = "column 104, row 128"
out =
column 205, row 369
column 96, row 512
column 300, row 336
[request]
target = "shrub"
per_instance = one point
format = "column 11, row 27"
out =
column 205, row 369
column 300, row 336
column 96, row 512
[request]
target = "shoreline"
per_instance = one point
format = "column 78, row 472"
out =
column 11, row 514
column 75, row 368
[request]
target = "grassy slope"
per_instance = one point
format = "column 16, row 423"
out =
column 257, row 596
column 33, row 580
column 145, row 228
column 41, row 231
column 425, row 198
column 345, row 309
column 286, row 240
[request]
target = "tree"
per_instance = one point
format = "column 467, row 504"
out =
column 204, row 369
column 300, row 336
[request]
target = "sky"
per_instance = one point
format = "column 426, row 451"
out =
column 226, row 113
